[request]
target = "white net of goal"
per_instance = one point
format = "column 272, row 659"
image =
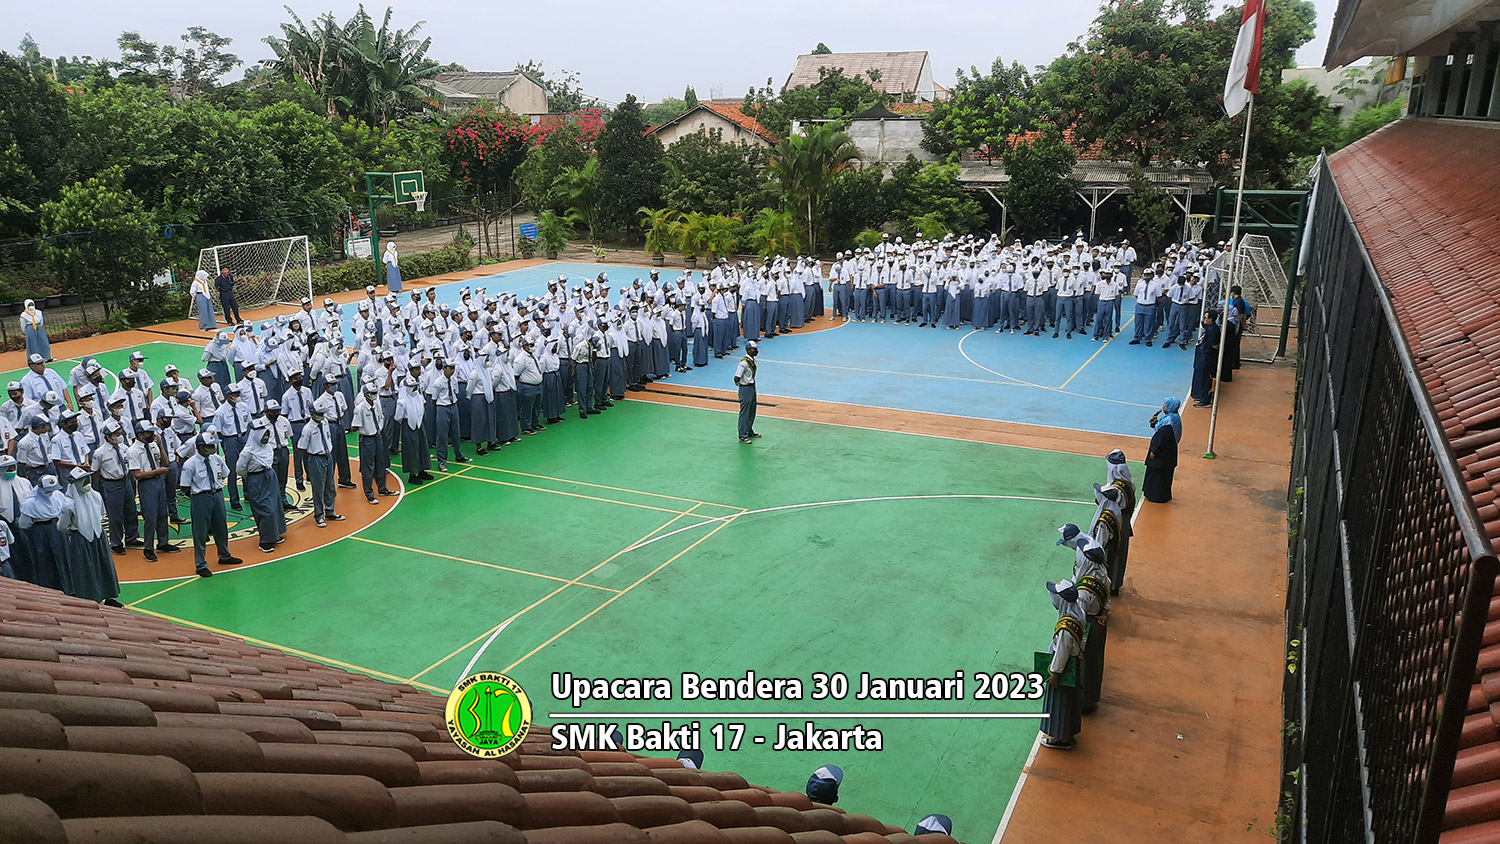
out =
column 1263, row 283
column 266, row 272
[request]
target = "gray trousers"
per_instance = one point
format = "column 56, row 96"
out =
column 585, row 378
column 747, row 410
column 119, row 504
column 208, row 518
column 447, row 434
column 320, row 475
column 153, row 492
column 374, row 460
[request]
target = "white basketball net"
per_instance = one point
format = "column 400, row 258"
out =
column 421, row 199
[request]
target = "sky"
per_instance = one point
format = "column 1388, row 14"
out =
column 651, row 48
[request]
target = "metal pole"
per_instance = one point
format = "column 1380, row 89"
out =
column 1291, row 285
column 1234, row 257
column 374, row 227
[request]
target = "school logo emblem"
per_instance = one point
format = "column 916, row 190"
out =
column 488, row 715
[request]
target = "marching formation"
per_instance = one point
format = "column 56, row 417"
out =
column 1074, row 662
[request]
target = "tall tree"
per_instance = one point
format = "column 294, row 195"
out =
column 834, row 95
column 822, row 50
column 690, row 97
column 194, row 68
column 982, row 111
column 1151, row 207
column 38, row 150
column 805, row 165
column 101, row 239
column 630, row 167
column 916, row 190
column 703, row 173
column 1041, row 189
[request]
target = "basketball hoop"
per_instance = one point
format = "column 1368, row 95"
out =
column 420, row 196
column 1196, row 224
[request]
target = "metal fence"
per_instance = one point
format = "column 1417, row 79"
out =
column 1390, row 571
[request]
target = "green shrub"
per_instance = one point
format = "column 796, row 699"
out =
column 867, row 239
column 345, row 275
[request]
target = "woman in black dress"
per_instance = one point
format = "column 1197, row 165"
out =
column 1161, row 455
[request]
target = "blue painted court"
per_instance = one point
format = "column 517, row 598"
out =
column 1110, row 388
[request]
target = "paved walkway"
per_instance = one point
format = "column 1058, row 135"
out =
column 1186, row 744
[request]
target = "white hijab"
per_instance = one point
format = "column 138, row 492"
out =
column 410, row 406
column 87, row 511
column 32, row 315
column 390, row 252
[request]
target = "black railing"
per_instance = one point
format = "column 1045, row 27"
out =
column 1390, row 571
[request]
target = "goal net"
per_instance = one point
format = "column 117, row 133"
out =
column 1263, row 283
column 266, row 272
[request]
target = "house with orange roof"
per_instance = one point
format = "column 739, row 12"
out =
column 726, row 116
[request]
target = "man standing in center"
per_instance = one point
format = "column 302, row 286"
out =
column 744, row 378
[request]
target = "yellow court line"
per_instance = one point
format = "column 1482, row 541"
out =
column 538, row 602
column 445, row 476
column 1096, row 353
column 623, row 592
column 603, row 486
column 164, row 591
column 478, row 563
column 348, row 666
column 588, row 497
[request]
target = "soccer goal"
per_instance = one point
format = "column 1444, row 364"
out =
column 266, row 272
column 1263, row 283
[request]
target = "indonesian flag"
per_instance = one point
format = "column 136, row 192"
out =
column 1244, row 68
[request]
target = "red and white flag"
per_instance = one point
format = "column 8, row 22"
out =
column 1244, row 68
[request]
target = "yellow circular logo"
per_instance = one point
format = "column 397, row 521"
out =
column 488, row 715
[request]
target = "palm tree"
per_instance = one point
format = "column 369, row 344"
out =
column 805, row 165
column 775, row 233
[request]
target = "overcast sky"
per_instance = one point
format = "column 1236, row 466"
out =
column 650, row 48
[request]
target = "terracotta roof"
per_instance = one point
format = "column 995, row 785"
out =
column 117, row 727
column 1092, row 152
column 1425, row 195
column 731, row 111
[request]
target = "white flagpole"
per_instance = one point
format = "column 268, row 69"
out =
column 1234, row 257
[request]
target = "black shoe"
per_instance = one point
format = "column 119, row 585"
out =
column 529, row 433
column 230, row 561
column 414, row 480
column 237, row 506
column 117, row 550
column 1182, row 346
column 301, row 487
column 582, row 415
column 267, row 549
column 168, row 549
column 372, row 499
column 1069, row 337
column 426, row 476
column 1148, row 344
column 337, row 517
column 111, row 602
column 387, row 492
column 458, row 460
column 1135, row 342
column 203, row 573
column 754, row 436
column 150, row 557
column 320, row 523
column 135, row 543
column 345, row 485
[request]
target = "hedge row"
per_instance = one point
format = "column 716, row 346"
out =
column 356, row 274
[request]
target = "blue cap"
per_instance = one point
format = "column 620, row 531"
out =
column 1069, row 532
column 691, row 759
column 823, row 785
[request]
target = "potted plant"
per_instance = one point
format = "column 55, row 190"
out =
column 552, row 232
column 720, row 235
column 657, row 224
column 526, row 246
column 691, row 234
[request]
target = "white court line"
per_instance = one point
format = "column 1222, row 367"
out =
column 1015, row 794
column 1039, row 386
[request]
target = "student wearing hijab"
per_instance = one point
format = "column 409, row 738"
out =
column 91, row 569
column 1112, row 530
column 1060, row 702
column 207, row 321
column 392, row 267
column 39, row 514
column 34, row 327
column 7, row 541
column 214, row 358
column 410, row 409
column 14, row 490
column 257, row 468
column 1161, row 454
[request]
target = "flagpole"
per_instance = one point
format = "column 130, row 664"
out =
column 1234, row 257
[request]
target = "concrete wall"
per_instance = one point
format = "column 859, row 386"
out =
column 704, row 121
column 884, row 141
column 526, row 97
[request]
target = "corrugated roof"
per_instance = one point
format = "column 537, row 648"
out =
column 120, row 727
column 900, row 72
column 476, row 84
column 1425, row 195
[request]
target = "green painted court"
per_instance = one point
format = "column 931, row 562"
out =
column 647, row 542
